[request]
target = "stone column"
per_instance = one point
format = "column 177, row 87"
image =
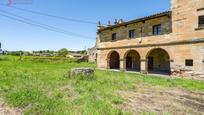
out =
column 172, row 66
column 122, row 68
column 124, row 65
column 143, row 66
column 107, row 65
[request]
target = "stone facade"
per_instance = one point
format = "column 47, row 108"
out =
column 177, row 50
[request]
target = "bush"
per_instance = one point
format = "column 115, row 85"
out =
column 63, row 52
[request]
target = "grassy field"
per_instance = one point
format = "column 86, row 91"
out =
column 42, row 87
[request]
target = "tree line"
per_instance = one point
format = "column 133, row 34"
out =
column 61, row 53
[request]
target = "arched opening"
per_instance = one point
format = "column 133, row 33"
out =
column 132, row 58
column 158, row 61
column 114, row 60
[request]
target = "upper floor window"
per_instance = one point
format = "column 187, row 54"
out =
column 131, row 33
column 157, row 29
column 189, row 62
column 201, row 21
column 114, row 36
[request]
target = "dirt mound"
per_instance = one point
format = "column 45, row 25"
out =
column 6, row 110
column 160, row 101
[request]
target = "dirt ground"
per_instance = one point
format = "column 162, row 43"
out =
column 6, row 110
column 163, row 101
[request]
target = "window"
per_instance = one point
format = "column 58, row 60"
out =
column 114, row 36
column 201, row 21
column 131, row 33
column 157, row 29
column 189, row 62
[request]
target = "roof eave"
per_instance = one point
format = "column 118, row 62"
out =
column 166, row 13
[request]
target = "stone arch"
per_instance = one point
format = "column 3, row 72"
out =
column 113, row 60
column 158, row 61
column 132, row 60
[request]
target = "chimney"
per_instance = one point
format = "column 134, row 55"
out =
column 109, row 24
column 99, row 25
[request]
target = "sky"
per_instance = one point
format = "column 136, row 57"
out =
column 15, row 35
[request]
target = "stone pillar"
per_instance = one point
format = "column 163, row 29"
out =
column 107, row 65
column 124, row 65
column 143, row 66
column 172, row 66
column 122, row 68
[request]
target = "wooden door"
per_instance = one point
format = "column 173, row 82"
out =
column 150, row 63
column 129, row 63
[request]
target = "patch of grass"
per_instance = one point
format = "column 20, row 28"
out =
column 3, row 58
column 23, row 98
column 43, row 88
column 117, row 100
column 48, row 59
column 179, row 82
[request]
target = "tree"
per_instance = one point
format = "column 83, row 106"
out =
column 84, row 52
column 63, row 52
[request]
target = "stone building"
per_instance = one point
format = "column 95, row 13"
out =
column 92, row 53
column 170, row 42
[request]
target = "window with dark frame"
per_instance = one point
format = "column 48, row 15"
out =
column 131, row 33
column 157, row 29
column 201, row 21
column 114, row 36
column 189, row 62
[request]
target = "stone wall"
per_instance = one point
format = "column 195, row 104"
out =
column 185, row 19
column 177, row 53
column 92, row 53
column 122, row 32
